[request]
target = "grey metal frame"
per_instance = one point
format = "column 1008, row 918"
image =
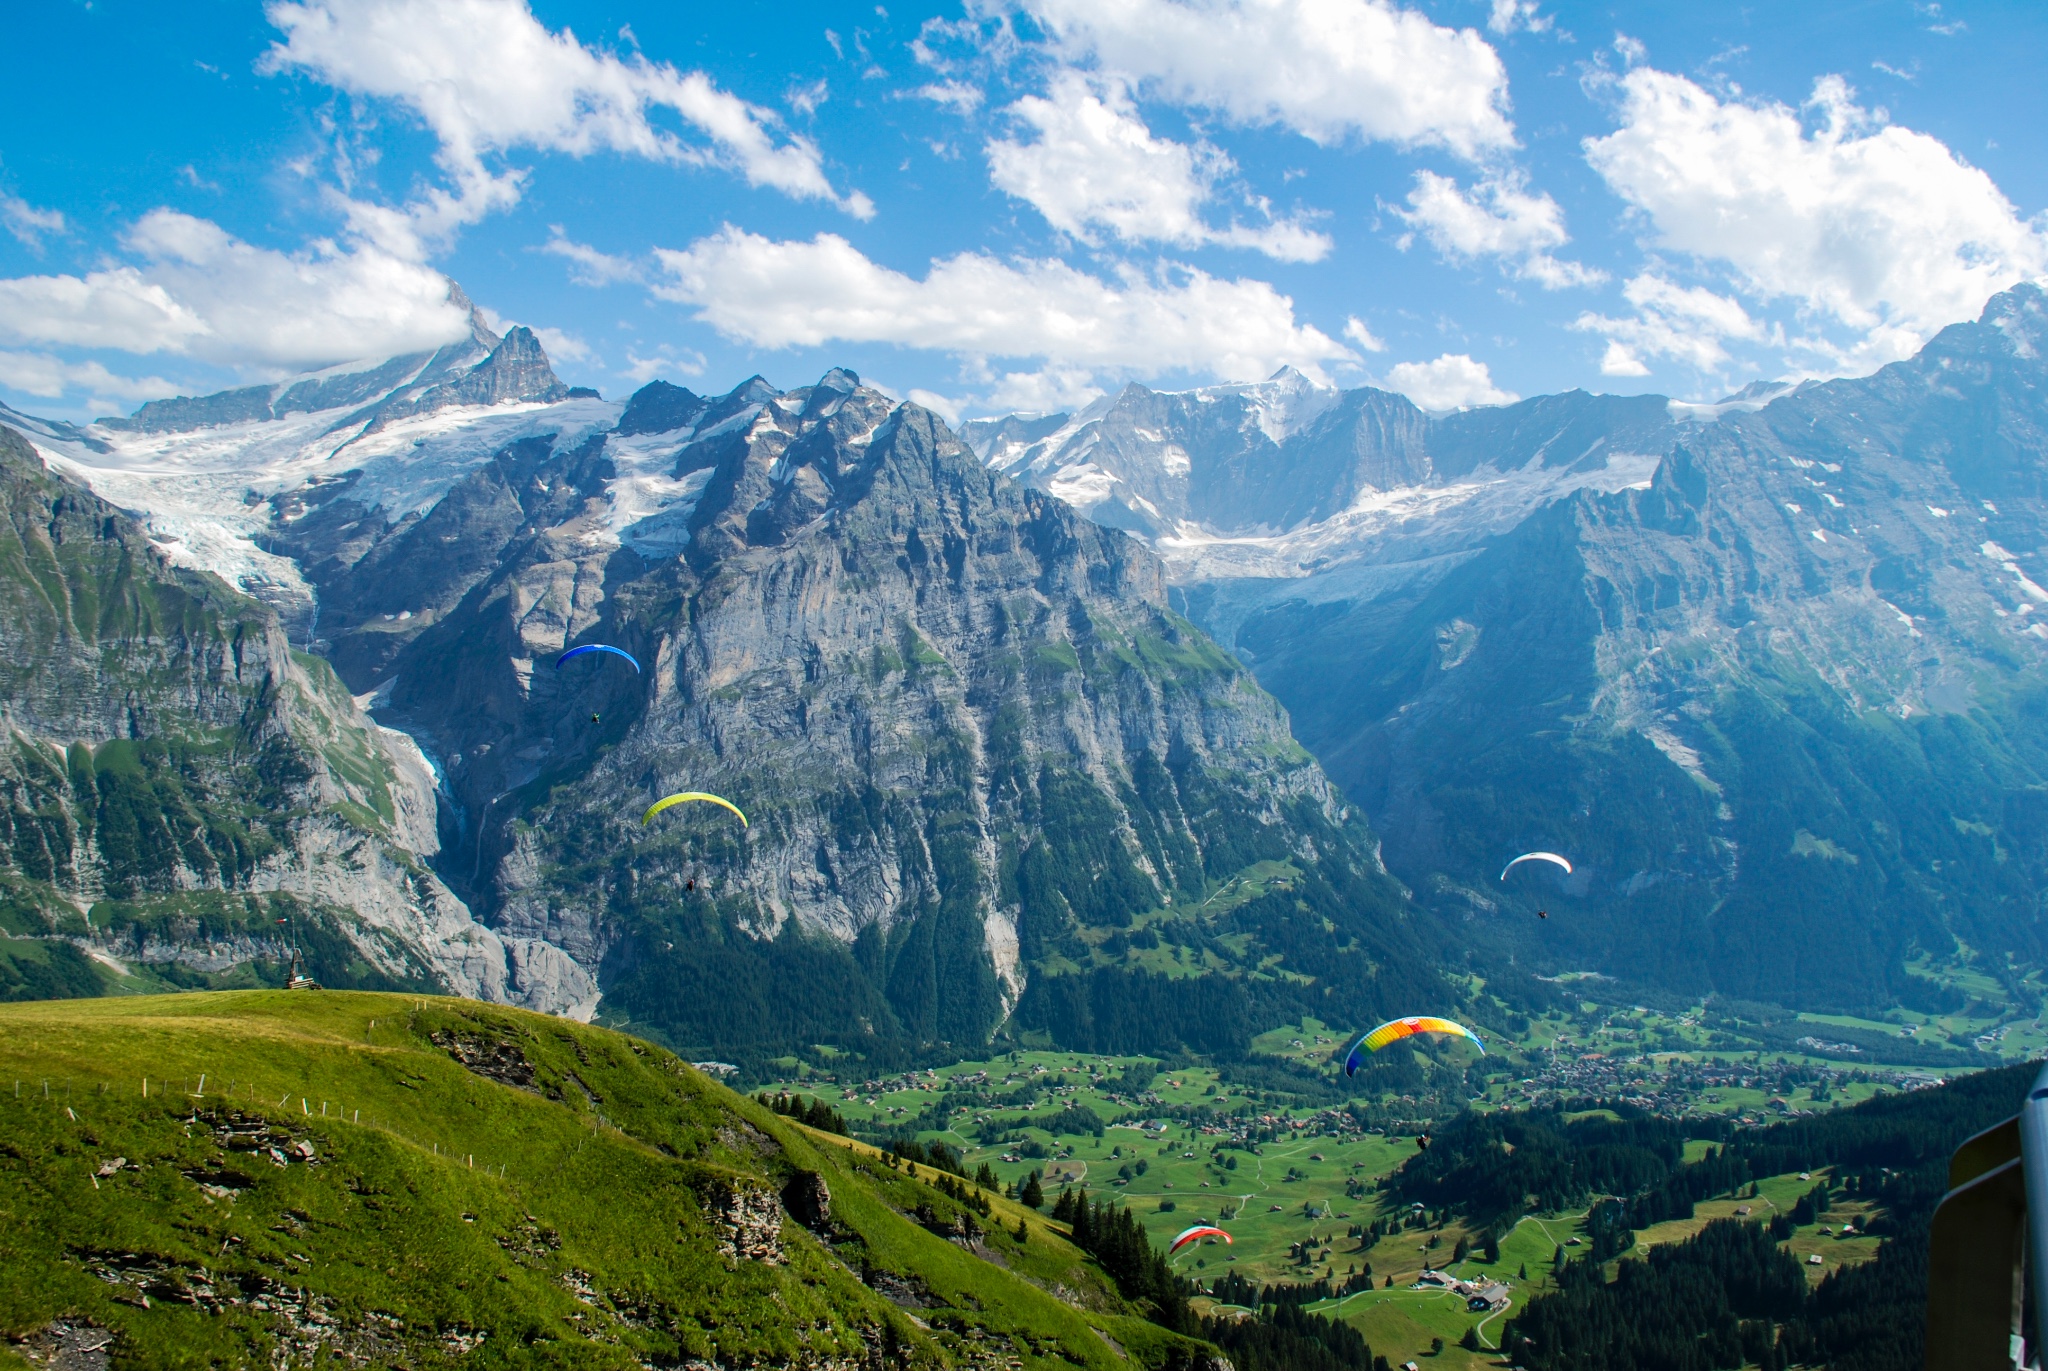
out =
column 1991, row 1227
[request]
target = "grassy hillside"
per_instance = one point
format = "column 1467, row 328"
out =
column 244, row 1177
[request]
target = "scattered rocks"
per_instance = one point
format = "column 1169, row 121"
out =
column 218, row 1181
column 67, row 1345
column 749, row 1221
column 530, row 1241
column 905, row 1292
column 492, row 1058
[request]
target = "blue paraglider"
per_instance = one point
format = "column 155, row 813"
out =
column 595, row 647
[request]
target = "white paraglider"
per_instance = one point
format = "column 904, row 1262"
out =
column 1536, row 857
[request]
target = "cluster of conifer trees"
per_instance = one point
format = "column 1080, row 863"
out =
column 814, row 1113
column 1731, row 1296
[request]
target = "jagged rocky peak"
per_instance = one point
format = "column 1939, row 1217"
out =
column 514, row 371
column 477, row 368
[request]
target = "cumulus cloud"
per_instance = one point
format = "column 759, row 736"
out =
column 486, row 77
column 39, row 373
column 1328, row 69
column 200, row 292
column 1870, row 227
column 27, row 223
column 1452, row 381
column 1498, row 218
column 806, row 294
column 1688, row 324
column 1094, row 164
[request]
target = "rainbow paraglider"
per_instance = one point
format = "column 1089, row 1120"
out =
column 1394, row 1030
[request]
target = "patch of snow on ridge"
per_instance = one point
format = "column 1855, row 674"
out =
column 1408, row 524
column 1083, row 485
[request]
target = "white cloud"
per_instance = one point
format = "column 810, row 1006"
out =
column 947, row 409
column 1688, row 324
column 806, row 99
column 666, row 361
column 1094, row 164
column 27, row 223
column 38, row 373
column 1047, row 390
column 199, row 292
column 1355, row 329
column 1498, row 217
column 588, row 266
column 563, row 347
column 487, row 77
column 806, row 294
column 1452, row 381
column 957, row 96
column 1509, row 15
column 1874, row 228
column 1328, row 69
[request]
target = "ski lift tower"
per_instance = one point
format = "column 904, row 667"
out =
column 295, row 977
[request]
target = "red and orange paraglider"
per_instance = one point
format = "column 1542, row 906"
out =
column 1196, row 1234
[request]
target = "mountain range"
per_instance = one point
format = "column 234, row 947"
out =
column 1140, row 728
column 1769, row 670
column 994, row 781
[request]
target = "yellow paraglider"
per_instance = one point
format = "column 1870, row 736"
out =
column 684, row 798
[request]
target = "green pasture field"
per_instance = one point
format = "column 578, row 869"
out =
column 1293, row 1189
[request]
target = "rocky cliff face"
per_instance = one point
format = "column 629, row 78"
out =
column 177, row 781
column 1770, row 671
column 978, row 752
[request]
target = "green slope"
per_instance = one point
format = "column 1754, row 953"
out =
column 319, row 1176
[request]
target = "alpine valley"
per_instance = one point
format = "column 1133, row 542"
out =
column 1140, row 729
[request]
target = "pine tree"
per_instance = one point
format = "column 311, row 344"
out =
column 1470, row 1342
column 1033, row 1193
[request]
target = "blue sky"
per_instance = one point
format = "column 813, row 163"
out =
column 1014, row 203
